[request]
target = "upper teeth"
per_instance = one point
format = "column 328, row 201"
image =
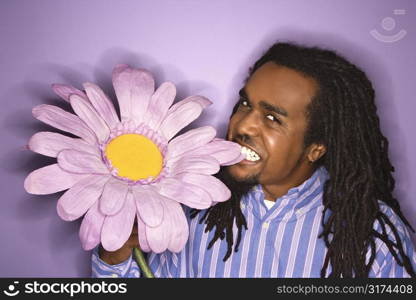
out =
column 250, row 154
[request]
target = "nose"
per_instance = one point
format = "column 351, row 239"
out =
column 248, row 125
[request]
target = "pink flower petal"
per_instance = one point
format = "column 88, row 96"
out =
column 193, row 164
column 180, row 228
column 204, row 102
column 133, row 88
column 159, row 104
column 149, row 205
column 64, row 91
column 172, row 233
column 49, row 180
column 88, row 114
column 215, row 187
column 90, row 230
column 78, row 199
column 159, row 237
column 51, row 143
column 190, row 140
column 81, row 162
column 234, row 161
column 179, row 118
column 102, row 104
column 185, row 193
column 117, row 229
column 225, row 152
column 113, row 197
column 141, row 231
column 58, row 118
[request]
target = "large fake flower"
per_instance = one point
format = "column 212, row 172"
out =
column 118, row 170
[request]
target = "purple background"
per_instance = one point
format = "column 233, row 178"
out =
column 204, row 47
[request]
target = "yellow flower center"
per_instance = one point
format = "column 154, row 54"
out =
column 134, row 156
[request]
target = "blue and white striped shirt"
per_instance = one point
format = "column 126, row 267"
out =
column 280, row 242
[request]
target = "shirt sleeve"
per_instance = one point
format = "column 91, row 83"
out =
column 101, row 269
column 163, row 265
column 385, row 265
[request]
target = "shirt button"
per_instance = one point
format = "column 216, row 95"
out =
column 266, row 224
column 114, row 275
column 243, row 205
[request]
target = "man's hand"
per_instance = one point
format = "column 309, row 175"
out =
column 122, row 254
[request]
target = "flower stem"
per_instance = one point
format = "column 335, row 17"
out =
column 141, row 261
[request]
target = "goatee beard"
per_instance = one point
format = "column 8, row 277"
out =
column 238, row 187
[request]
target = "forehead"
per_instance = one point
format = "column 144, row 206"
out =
column 281, row 86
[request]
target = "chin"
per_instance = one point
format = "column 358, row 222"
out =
column 239, row 174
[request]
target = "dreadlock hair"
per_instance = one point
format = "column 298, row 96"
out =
column 343, row 117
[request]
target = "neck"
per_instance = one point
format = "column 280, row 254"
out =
column 275, row 191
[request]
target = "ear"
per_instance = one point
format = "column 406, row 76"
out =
column 316, row 151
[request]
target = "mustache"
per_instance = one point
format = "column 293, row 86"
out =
column 244, row 139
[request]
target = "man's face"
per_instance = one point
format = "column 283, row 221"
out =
column 271, row 121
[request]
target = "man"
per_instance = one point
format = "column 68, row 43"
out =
column 313, row 197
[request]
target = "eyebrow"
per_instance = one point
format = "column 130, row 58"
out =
column 265, row 105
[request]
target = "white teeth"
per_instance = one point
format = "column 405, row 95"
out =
column 250, row 154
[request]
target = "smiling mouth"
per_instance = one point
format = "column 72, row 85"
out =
column 250, row 154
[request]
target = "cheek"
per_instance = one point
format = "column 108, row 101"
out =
column 277, row 153
column 283, row 150
column 275, row 143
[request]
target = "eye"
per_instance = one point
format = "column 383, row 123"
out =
column 273, row 118
column 243, row 102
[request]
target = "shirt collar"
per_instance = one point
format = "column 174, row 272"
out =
column 296, row 202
